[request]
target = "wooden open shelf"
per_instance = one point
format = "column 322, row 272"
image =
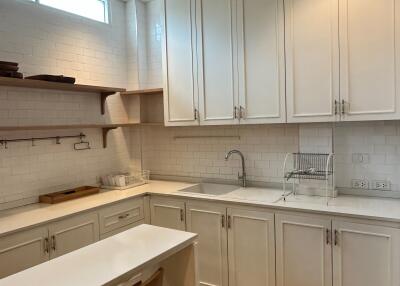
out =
column 40, row 84
column 104, row 127
column 143, row 91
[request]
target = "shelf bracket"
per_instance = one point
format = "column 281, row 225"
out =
column 105, row 133
column 103, row 98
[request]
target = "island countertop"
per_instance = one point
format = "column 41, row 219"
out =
column 107, row 260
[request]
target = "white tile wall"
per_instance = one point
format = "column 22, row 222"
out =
column 45, row 40
column 379, row 140
column 264, row 147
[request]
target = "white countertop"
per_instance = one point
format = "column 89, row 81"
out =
column 106, row 260
column 383, row 209
column 34, row 214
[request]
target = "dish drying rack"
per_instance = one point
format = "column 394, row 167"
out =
column 309, row 166
column 123, row 181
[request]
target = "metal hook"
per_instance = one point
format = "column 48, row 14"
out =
column 58, row 141
column 77, row 145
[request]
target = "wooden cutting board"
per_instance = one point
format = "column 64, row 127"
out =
column 8, row 67
column 68, row 195
column 8, row 63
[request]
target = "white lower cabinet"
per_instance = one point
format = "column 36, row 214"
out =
column 236, row 245
column 251, row 247
column 22, row 250
column 365, row 255
column 73, row 233
column 167, row 213
column 303, row 250
column 28, row 248
column 209, row 222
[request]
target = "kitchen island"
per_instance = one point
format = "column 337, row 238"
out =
column 127, row 257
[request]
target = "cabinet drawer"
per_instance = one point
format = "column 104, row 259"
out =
column 121, row 229
column 122, row 214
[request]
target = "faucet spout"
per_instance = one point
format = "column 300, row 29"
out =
column 241, row 178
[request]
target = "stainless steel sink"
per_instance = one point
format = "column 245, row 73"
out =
column 210, row 189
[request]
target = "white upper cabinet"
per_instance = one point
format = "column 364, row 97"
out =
column 179, row 63
column 365, row 255
column 369, row 56
column 261, row 69
column 312, row 60
column 216, row 57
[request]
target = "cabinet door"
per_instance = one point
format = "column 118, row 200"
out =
column 179, row 63
column 167, row 213
column 369, row 58
column 22, row 250
column 217, row 57
column 73, row 233
column 251, row 248
column 312, row 59
column 209, row 222
column 261, row 61
column 365, row 255
column 303, row 251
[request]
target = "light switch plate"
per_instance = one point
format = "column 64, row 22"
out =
column 360, row 158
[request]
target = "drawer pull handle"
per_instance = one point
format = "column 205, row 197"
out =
column 336, row 237
column 124, row 216
column 328, row 236
column 53, row 243
column 46, row 245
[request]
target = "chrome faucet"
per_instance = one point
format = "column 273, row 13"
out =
column 241, row 178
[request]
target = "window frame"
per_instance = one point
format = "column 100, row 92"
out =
column 107, row 8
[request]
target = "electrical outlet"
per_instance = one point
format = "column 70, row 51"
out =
column 382, row 185
column 360, row 158
column 359, row 184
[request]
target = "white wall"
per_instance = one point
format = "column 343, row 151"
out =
column 45, row 40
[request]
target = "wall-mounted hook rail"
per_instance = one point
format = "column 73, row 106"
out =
column 208, row 136
column 5, row 142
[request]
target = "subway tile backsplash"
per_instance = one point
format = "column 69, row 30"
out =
column 266, row 145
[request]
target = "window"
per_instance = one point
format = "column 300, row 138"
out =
column 92, row 9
